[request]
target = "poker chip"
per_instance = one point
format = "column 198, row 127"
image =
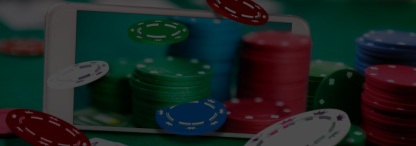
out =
column 387, row 75
column 253, row 115
column 4, row 129
column 392, row 38
column 78, row 75
column 243, row 11
column 22, row 47
column 341, row 90
column 39, row 128
column 275, row 65
column 385, row 47
column 158, row 83
column 388, row 104
column 318, row 127
column 193, row 118
column 159, row 32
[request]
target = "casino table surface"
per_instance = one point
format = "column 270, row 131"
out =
column 334, row 26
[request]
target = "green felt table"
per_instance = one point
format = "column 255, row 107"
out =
column 334, row 26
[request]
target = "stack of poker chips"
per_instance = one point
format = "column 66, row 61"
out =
column 252, row 115
column 385, row 47
column 389, row 105
column 214, row 41
column 111, row 93
column 274, row 65
column 164, row 82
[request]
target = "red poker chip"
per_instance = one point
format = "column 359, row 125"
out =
column 389, row 137
column 389, row 96
column 5, row 131
column 399, row 76
column 243, row 11
column 277, row 41
column 256, row 111
column 405, row 106
column 283, row 58
column 22, row 47
column 390, row 118
column 383, row 107
column 40, row 129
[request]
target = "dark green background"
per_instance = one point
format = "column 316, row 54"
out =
column 334, row 26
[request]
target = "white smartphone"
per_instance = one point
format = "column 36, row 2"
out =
column 83, row 32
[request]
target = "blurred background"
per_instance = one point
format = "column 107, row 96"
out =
column 334, row 26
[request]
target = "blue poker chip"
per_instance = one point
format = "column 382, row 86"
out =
column 392, row 38
column 193, row 118
column 382, row 51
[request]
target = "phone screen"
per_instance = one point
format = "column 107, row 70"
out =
column 112, row 101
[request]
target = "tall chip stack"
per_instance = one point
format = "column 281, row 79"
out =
column 389, row 105
column 275, row 65
column 214, row 41
column 385, row 47
column 164, row 82
column 111, row 93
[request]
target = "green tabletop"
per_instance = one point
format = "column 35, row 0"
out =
column 334, row 26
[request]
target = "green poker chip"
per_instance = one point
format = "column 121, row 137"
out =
column 341, row 90
column 158, row 32
column 355, row 137
column 173, row 69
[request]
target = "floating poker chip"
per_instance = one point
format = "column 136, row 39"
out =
column 243, row 11
column 22, row 47
column 392, row 38
column 41, row 129
column 318, row 127
column 193, row 118
column 5, row 131
column 158, row 32
column 78, row 75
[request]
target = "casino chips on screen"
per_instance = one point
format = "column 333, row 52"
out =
column 214, row 41
column 389, row 105
column 385, row 47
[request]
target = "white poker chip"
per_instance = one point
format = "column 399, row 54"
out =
column 323, row 127
column 78, row 75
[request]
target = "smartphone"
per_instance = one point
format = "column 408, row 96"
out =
column 84, row 32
